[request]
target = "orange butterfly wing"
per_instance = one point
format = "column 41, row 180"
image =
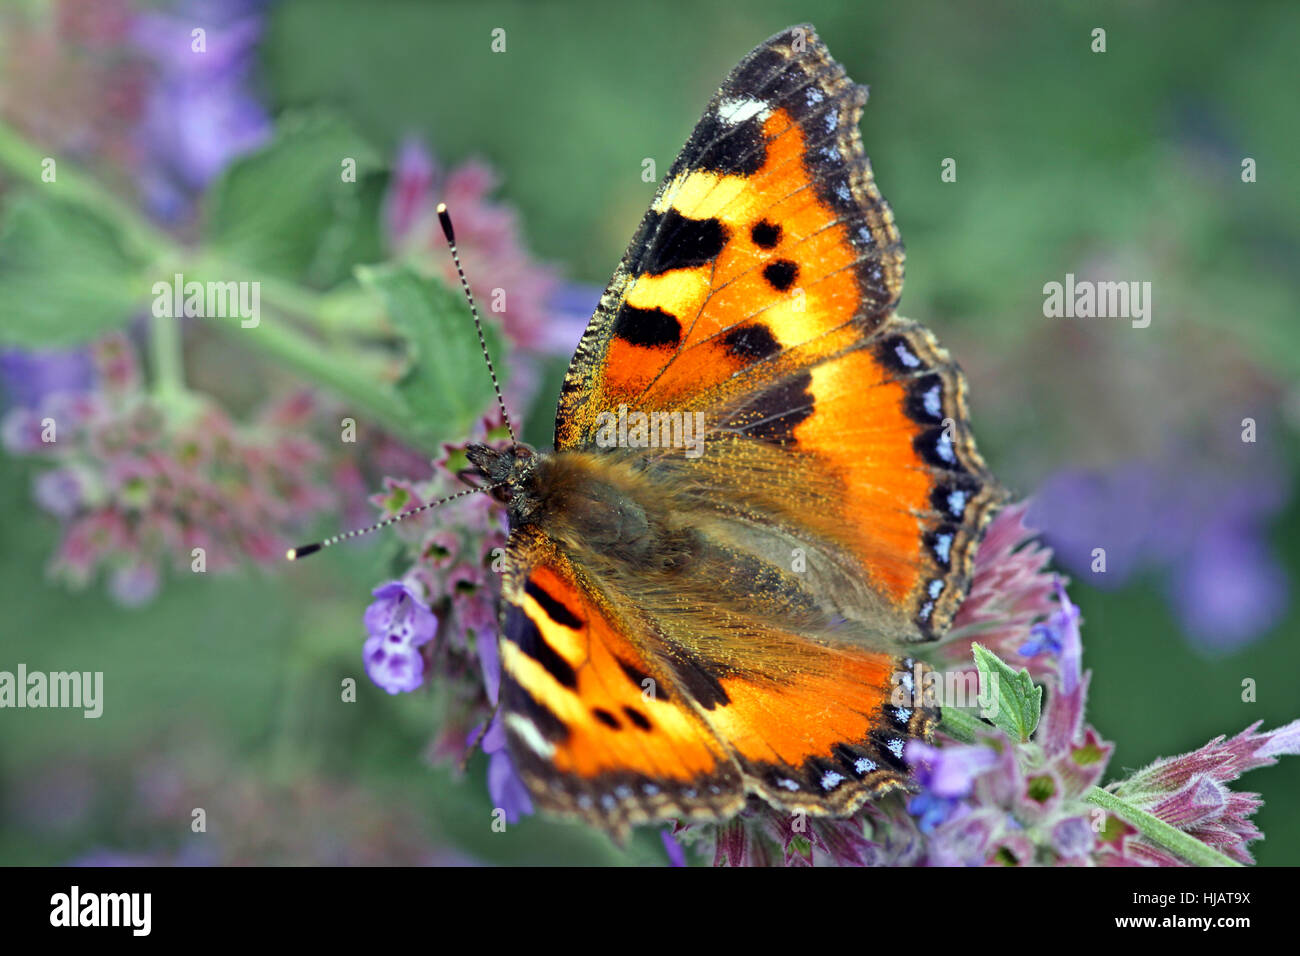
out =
column 607, row 723
column 597, row 727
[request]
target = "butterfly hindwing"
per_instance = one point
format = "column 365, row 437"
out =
column 612, row 721
column 869, row 450
column 596, row 728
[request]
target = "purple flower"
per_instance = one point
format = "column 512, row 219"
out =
column 137, row 488
column 676, row 854
column 135, row 584
column 949, row 772
column 1199, row 518
column 399, row 615
column 393, row 665
column 946, row 777
column 1073, row 838
column 1060, row 636
column 60, row 491
column 398, row 622
column 29, row 377
column 200, row 114
column 505, row 786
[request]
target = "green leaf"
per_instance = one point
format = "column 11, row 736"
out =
column 288, row 210
column 64, row 276
column 1018, row 700
column 447, row 385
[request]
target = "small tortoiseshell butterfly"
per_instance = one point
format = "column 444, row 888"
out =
column 682, row 631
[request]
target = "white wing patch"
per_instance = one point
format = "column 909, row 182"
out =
column 740, row 109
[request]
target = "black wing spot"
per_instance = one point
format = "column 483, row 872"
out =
column 953, row 496
column 639, row 677
column 889, row 751
column 781, row 274
column 854, row 761
column 751, row 342
column 897, row 354
column 935, row 447
column 680, row 243
column 523, row 632
column 940, row 542
column 765, row 234
column 925, row 399
column 606, row 718
column 555, row 610
column 638, row 718
column 648, row 328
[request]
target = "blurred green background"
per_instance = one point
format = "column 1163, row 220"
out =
column 224, row 692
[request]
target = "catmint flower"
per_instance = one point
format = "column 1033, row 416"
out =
column 399, row 614
column 137, row 487
column 1060, row 636
column 399, row 623
column 505, row 787
column 945, row 776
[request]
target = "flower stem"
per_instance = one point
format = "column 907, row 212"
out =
column 276, row 336
column 26, row 161
column 166, row 356
column 1160, row 833
column 963, row 725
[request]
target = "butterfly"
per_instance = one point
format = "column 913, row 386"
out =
column 763, row 489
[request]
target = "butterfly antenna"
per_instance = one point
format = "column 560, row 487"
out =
column 445, row 219
column 293, row 554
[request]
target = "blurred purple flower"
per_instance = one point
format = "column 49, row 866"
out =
column 676, row 852
column 539, row 314
column 200, row 113
column 138, row 486
column 29, row 377
column 505, row 786
column 1229, row 589
column 571, row 307
column 1202, row 523
column 60, row 491
column 135, row 583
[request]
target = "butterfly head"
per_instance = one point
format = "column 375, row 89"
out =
column 506, row 469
